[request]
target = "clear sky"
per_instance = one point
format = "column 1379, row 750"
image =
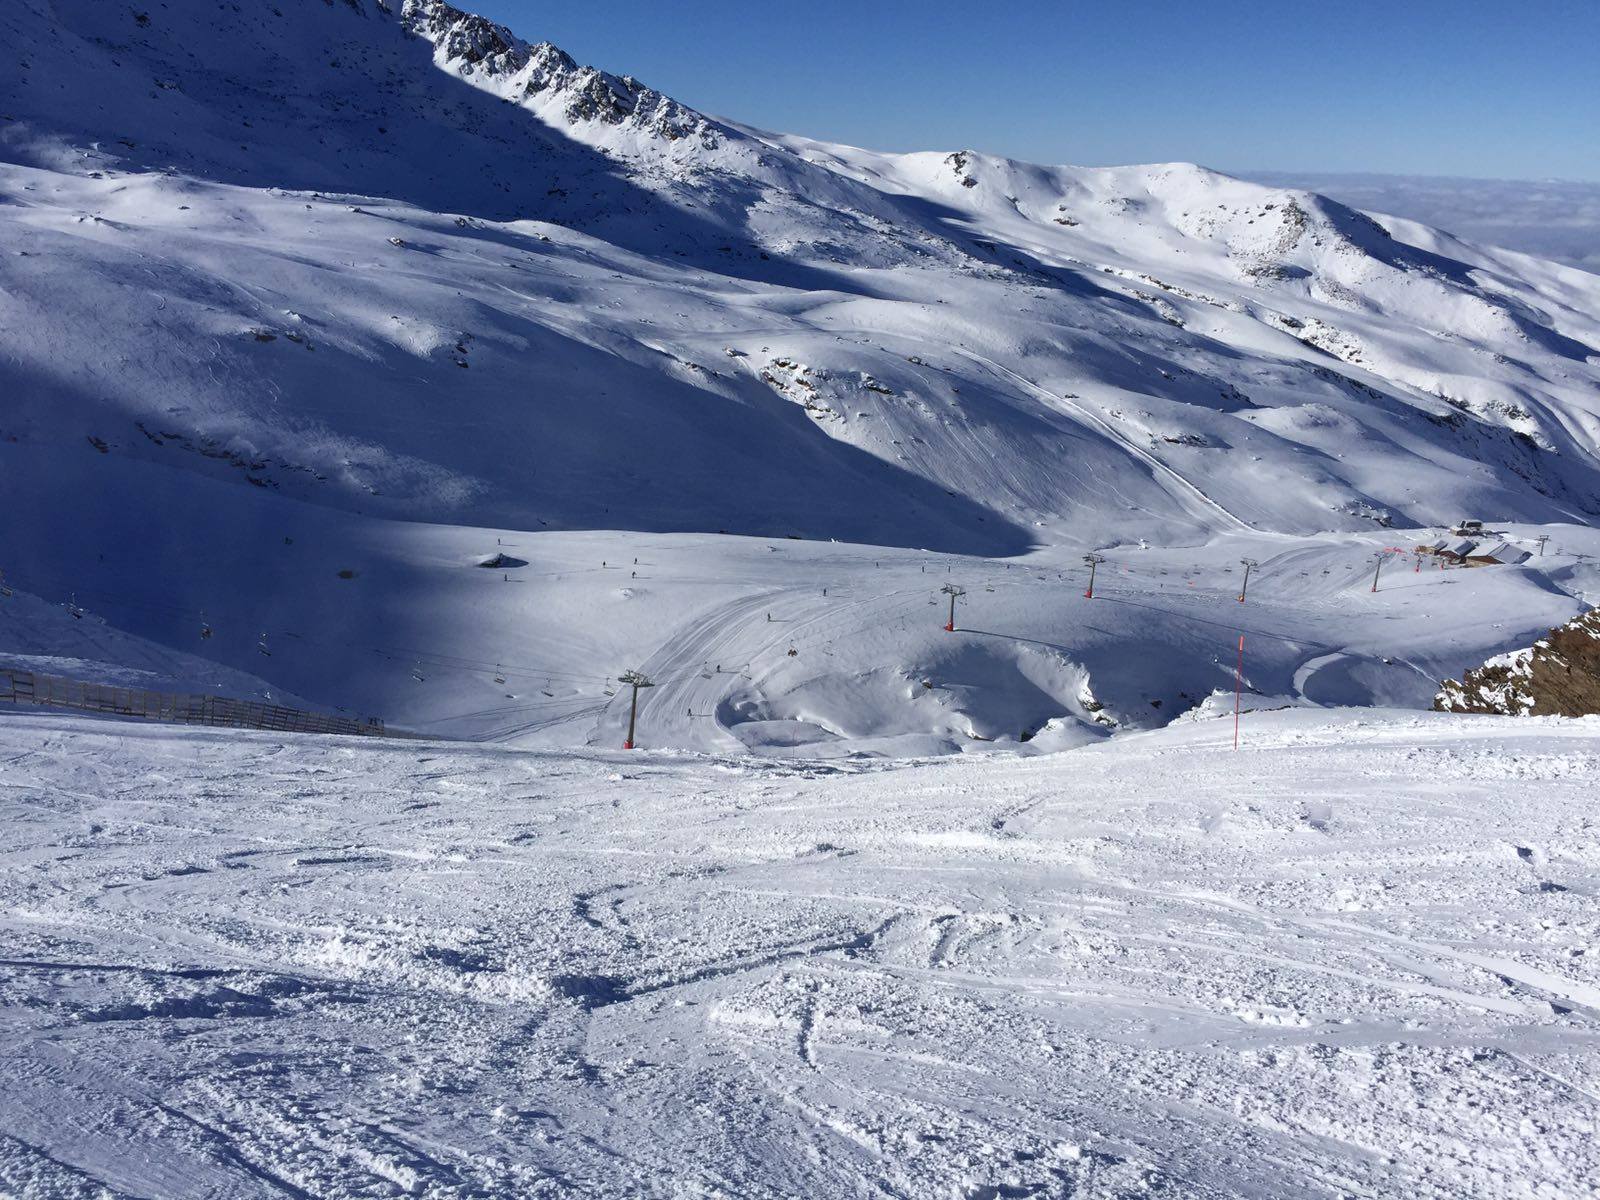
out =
column 1488, row 88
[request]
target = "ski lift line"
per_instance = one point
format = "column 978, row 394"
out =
column 126, row 601
column 200, row 617
column 911, row 597
column 453, row 663
column 208, row 628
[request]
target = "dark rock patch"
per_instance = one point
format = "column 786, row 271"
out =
column 1559, row 676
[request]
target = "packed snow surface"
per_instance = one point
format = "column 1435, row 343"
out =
column 1354, row 958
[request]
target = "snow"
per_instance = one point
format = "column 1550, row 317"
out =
column 1549, row 218
column 1353, row 958
column 309, row 308
column 313, row 310
column 873, row 671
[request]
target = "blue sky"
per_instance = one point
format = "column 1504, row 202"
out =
column 1495, row 90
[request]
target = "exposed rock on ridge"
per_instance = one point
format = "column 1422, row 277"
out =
column 471, row 45
column 1557, row 676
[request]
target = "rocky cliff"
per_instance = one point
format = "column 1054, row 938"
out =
column 1557, row 676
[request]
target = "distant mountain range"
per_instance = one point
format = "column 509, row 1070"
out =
column 1550, row 218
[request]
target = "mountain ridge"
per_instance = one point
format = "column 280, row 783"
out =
column 337, row 267
column 1110, row 245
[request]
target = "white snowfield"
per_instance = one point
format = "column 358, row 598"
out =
column 426, row 638
column 1356, row 958
column 310, row 307
column 363, row 357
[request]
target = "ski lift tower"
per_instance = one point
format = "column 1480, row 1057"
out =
column 1250, row 564
column 952, row 591
column 636, row 680
column 1093, row 561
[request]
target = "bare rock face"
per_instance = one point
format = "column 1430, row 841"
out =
column 1558, row 675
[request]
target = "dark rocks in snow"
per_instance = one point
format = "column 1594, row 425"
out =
column 1559, row 675
column 503, row 561
column 958, row 163
column 477, row 46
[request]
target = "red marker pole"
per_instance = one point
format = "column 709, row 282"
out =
column 1238, row 676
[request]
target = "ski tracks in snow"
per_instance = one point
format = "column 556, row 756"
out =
column 1320, row 967
column 1185, row 487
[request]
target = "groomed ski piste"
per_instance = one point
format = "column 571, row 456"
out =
column 785, row 647
column 782, row 951
column 364, row 359
column 1355, row 957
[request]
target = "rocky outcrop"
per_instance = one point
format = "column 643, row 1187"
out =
column 476, row 46
column 1558, row 675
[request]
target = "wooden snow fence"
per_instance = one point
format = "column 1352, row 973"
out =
column 22, row 687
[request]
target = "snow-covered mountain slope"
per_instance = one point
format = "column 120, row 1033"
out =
column 313, row 273
column 1547, row 218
